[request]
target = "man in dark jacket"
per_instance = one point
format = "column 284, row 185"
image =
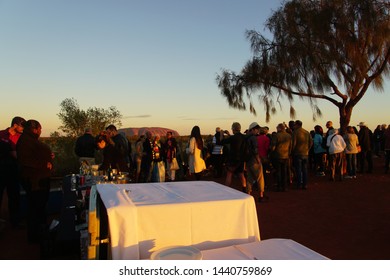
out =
column 120, row 141
column 235, row 159
column 85, row 147
column 365, row 141
column 9, row 168
column 35, row 165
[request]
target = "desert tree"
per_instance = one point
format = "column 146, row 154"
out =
column 75, row 120
column 330, row 50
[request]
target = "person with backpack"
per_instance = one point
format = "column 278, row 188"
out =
column 235, row 163
column 254, row 165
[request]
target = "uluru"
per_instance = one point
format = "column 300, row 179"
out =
column 131, row 131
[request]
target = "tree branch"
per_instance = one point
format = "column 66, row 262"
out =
column 318, row 96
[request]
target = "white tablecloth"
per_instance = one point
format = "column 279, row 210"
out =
column 144, row 218
column 270, row 249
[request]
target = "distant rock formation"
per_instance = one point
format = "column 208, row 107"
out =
column 131, row 131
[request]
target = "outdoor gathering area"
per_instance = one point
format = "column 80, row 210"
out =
column 221, row 132
column 347, row 220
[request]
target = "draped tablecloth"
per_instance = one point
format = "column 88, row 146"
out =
column 270, row 249
column 144, row 218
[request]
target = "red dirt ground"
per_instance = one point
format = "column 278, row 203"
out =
column 347, row 220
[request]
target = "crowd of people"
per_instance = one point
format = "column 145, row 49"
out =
column 285, row 156
column 260, row 160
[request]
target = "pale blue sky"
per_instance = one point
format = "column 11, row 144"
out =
column 155, row 61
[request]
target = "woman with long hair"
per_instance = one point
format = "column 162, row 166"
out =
column 196, row 163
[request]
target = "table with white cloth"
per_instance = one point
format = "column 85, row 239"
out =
column 269, row 249
column 144, row 218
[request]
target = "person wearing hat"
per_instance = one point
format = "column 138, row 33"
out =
column 263, row 143
column 365, row 136
column 235, row 162
column 254, row 166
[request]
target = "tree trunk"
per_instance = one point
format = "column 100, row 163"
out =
column 345, row 117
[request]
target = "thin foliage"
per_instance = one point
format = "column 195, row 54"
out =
column 320, row 50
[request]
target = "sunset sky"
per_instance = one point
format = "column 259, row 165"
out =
column 155, row 61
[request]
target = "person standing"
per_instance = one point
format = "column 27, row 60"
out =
column 235, row 163
column 9, row 168
column 196, row 164
column 158, row 168
column 319, row 151
column 139, row 151
column 387, row 149
column 112, row 158
column 254, row 165
column 351, row 150
column 365, row 140
column 383, row 140
column 120, row 142
column 377, row 139
column 85, row 147
column 147, row 158
column 301, row 144
column 263, row 144
column 336, row 145
column 281, row 148
column 217, row 152
column 170, row 149
column 35, row 161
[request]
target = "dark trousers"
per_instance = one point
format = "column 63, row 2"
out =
column 282, row 166
column 36, row 208
column 9, row 181
column 351, row 164
column 146, row 165
column 300, row 164
column 320, row 162
column 365, row 156
column 336, row 166
column 387, row 160
column 217, row 161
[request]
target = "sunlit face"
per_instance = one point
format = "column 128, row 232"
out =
column 18, row 128
column 101, row 145
column 256, row 130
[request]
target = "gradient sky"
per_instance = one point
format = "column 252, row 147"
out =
column 155, row 61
